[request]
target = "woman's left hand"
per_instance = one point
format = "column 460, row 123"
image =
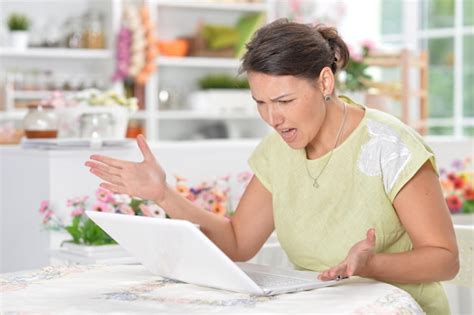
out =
column 356, row 262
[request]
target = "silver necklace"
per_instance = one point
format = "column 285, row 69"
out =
column 315, row 179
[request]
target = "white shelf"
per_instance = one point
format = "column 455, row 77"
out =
column 141, row 114
column 35, row 95
column 193, row 115
column 198, row 62
column 17, row 114
column 63, row 53
column 214, row 5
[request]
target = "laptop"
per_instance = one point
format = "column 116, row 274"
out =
column 177, row 249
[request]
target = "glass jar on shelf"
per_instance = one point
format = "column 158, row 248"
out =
column 41, row 121
column 93, row 36
column 73, row 37
column 97, row 125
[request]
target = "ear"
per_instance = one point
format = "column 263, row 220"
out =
column 326, row 81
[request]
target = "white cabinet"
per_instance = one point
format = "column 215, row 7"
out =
column 176, row 76
column 31, row 74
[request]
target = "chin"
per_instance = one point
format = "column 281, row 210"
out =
column 296, row 145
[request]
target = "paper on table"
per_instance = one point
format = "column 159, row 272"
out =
column 73, row 143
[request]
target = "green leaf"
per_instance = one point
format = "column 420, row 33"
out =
column 74, row 232
column 468, row 206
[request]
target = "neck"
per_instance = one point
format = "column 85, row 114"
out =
column 325, row 140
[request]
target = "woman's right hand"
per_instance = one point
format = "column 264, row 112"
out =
column 145, row 179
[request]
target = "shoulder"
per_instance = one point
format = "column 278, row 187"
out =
column 388, row 128
column 392, row 150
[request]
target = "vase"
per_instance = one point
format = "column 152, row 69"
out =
column 19, row 40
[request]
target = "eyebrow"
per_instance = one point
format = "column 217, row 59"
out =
column 276, row 98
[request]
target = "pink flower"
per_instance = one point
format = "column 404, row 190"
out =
column 354, row 54
column 44, row 206
column 77, row 212
column 101, row 206
column 76, row 200
column 126, row 209
column 369, row 44
column 104, row 195
column 47, row 216
column 145, row 210
column 454, row 203
column 244, row 177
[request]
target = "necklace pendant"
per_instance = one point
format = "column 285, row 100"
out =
column 315, row 183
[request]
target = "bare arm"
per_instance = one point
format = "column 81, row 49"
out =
column 423, row 212
column 240, row 237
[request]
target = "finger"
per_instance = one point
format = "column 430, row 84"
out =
column 102, row 167
column 340, row 270
column 144, row 148
column 113, row 188
column 323, row 276
column 332, row 273
column 107, row 177
column 350, row 271
column 108, row 160
column 371, row 236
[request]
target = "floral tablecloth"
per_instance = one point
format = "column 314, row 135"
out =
column 130, row 289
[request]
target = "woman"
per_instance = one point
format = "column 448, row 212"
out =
column 333, row 176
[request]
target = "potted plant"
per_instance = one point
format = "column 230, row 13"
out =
column 457, row 183
column 222, row 94
column 88, row 241
column 352, row 80
column 18, row 24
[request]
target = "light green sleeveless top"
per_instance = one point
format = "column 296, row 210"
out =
column 317, row 226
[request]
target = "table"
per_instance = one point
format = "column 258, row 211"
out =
column 130, row 289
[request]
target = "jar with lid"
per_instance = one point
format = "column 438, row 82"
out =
column 93, row 36
column 97, row 125
column 41, row 121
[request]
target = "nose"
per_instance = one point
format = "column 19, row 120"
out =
column 274, row 115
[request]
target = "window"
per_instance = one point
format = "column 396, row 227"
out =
column 444, row 28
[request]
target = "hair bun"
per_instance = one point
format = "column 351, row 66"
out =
column 337, row 45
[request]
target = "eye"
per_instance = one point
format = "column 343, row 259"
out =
column 285, row 101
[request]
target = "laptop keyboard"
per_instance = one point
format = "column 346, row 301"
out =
column 268, row 280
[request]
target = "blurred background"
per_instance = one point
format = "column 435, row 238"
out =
column 75, row 74
column 173, row 64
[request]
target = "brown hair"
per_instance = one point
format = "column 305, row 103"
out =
column 288, row 48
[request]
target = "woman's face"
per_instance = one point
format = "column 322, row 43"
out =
column 294, row 107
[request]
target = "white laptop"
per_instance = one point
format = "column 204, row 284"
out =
column 177, row 249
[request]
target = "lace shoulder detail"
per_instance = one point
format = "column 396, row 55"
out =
column 384, row 154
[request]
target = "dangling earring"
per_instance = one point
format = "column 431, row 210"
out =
column 327, row 98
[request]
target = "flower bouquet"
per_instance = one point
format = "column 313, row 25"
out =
column 82, row 229
column 355, row 76
column 458, row 186
column 212, row 195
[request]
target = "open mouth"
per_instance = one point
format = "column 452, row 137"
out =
column 288, row 134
